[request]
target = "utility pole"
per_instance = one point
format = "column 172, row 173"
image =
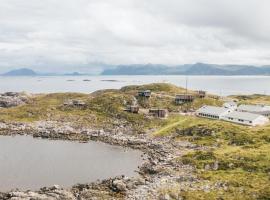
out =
column 187, row 104
column 186, row 85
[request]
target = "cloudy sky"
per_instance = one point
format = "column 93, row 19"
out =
column 80, row 35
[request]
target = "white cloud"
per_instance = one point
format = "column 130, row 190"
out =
column 70, row 35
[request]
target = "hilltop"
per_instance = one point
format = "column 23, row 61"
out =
column 20, row 72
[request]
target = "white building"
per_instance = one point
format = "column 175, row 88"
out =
column 230, row 105
column 212, row 112
column 256, row 109
column 245, row 118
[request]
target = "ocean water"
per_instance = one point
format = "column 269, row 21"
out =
column 221, row 85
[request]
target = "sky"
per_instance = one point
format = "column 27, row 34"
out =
column 88, row 35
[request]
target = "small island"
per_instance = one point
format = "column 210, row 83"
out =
column 187, row 156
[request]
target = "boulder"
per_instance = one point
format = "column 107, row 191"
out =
column 119, row 186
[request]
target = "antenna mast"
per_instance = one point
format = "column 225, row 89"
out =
column 186, row 85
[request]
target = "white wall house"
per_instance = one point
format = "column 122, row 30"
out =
column 245, row 118
column 256, row 109
column 212, row 112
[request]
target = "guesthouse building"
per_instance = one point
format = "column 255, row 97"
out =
column 256, row 109
column 245, row 118
column 212, row 112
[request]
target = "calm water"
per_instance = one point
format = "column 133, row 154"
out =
column 29, row 163
column 221, row 85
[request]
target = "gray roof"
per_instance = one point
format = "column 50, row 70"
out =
column 254, row 108
column 243, row 115
column 212, row 110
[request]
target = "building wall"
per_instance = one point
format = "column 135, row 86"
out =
column 212, row 116
column 208, row 115
column 238, row 121
column 261, row 120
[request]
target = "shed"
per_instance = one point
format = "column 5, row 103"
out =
column 183, row 98
column 201, row 94
column 156, row 112
column 144, row 93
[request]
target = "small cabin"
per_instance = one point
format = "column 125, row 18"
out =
column 184, row 98
column 161, row 113
column 201, row 94
column 132, row 108
column 144, row 93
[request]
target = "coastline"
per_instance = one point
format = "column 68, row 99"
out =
column 158, row 166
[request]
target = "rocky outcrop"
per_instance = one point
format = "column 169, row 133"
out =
column 11, row 99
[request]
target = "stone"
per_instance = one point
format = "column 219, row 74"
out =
column 119, row 186
column 164, row 197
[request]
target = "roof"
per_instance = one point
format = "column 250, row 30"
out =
column 254, row 108
column 243, row 115
column 213, row 110
column 231, row 103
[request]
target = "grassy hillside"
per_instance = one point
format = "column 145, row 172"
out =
column 236, row 157
column 103, row 108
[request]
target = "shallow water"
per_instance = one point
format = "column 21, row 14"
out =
column 221, row 85
column 29, row 163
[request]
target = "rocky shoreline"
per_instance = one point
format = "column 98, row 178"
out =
column 160, row 167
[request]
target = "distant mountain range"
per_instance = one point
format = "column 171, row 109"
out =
column 187, row 69
column 158, row 69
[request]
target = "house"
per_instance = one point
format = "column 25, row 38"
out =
column 212, row 112
column 144, row 93
column 245, row 118
column 183, row 98
column 156, row 112
column 256, row 109
column 132, row 108
column 230, row 105
column 201, row 94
